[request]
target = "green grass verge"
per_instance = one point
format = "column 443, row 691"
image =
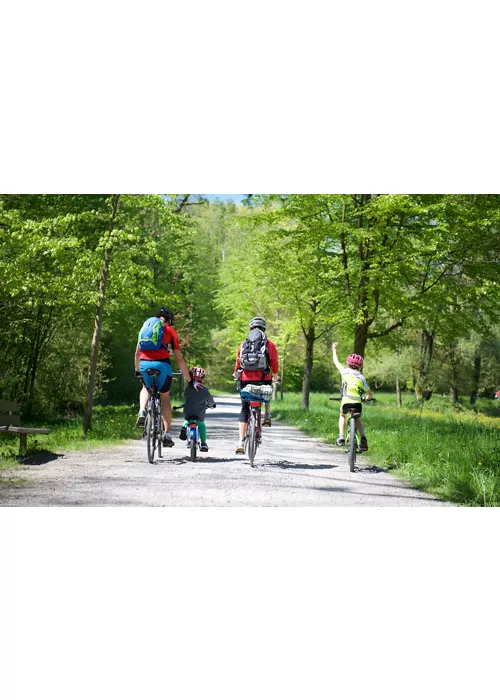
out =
column 452, row 453
column 110, row 425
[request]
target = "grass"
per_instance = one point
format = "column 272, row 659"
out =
column 452, row 453
column 110, row 425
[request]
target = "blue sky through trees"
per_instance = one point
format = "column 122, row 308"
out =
column 237, row 198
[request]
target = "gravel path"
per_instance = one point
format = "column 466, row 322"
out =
column 291, row 470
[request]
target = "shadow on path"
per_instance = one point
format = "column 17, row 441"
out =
column 40, row 458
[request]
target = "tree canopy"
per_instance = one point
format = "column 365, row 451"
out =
column 409, row 281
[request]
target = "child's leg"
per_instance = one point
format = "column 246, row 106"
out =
column 341, row 424
column 360, row 427
column 202, row 430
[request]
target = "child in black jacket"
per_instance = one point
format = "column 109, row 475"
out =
column 196, row 400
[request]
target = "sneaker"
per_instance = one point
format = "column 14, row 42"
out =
column 267, row 421
column 340, row 442
column 167, row 440
column 183, row 433
column 141, row 419
column 204, row 446
column 240, row 447
column 364, row 444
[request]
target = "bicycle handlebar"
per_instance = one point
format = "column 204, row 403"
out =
column 334, row 398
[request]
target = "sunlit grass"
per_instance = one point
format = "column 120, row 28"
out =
column 452, row 454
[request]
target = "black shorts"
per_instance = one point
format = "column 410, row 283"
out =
column 356, row 406
column 167, row 386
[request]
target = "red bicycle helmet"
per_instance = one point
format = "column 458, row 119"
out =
column 197, row 373
column 355, row 361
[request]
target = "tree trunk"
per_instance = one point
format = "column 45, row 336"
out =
column 306, row 382
column 360, row 338
column 453, row 359
column 282, row 378
column 96, row 339
column 398, row 392
column 422, row 389
column 476, row 376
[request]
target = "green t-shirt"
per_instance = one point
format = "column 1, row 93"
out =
column 354, row 385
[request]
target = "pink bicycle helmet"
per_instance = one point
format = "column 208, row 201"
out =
column 355, row 361
column 197, row 373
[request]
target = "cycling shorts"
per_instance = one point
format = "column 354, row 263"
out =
column 345, row 407
column 163, row 380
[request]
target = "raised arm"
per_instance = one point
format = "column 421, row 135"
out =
column 336, row 359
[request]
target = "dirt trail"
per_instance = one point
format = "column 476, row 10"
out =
column 292, row 470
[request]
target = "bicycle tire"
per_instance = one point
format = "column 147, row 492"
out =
column 252, row 439
column 159, row 428
column 150, row 434
column 351, row 455
column 193, row 450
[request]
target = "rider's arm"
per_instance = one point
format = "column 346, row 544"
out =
column 237, row 365
column 336, row 359
column 273, row 359
column 181, row 364
column 137, row 357
column 367, row 390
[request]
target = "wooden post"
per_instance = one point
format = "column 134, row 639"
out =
column 23, row 444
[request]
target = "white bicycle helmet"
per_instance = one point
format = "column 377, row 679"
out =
column 258, row 322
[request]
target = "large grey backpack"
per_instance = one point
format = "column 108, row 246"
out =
column 253, row 354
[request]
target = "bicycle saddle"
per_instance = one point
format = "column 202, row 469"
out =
column 153, row 372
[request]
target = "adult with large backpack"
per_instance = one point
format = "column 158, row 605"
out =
column 256, row 363
column 152, row 352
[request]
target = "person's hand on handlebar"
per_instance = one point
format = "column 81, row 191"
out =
column 276, row 378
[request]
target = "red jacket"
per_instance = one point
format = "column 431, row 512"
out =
column 169, row 336
column 256, row 375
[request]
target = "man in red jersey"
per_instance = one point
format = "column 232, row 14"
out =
column 160, row 359
column 267, row 375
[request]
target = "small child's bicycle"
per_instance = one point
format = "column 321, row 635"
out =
column 352, row 447
column 193, row 435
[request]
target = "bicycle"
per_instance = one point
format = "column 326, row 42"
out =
column 351, row 442
column 153, row 427
column 255, row 394
column 193, row 434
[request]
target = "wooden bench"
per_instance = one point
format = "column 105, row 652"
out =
column 10, row 422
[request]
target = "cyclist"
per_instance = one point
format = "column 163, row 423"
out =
column 353, row 386
column 160, row 359
column 196, row 401
column 259, row 376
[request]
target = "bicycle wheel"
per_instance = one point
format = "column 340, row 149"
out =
column 150, row 430
column 193, row 450
column 351, row 455
column 252, row 439
column 159, row 428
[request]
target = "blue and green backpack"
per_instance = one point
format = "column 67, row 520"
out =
column 151, row 334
